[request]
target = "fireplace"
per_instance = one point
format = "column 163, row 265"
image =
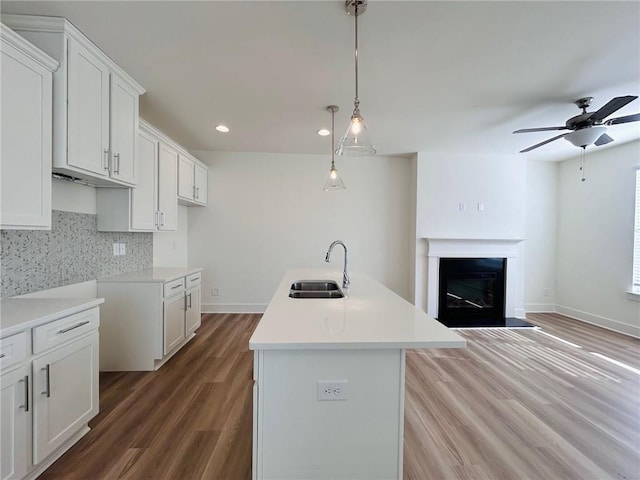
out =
column 499, row 282
column 471, row 291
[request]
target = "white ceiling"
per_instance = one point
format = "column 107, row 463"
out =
column 449, row 76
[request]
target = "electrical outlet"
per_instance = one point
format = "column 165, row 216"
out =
column 333, row 390
column 123, row 250
column 215, row 292
column 116, row 249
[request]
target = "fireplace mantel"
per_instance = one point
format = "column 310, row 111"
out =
column 509, row 248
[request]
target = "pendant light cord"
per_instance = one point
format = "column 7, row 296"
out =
column 582, row 155
column 356, row 102
column 333, row 146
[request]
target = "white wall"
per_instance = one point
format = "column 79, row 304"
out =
column 444, row 182
column 170, row 248
column 541, row 234
column 267, row 213
column 497, row 182
column 595, row 238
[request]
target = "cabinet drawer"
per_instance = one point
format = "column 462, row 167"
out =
column 59, row 331
column 194, row 279
column 173, row 288
column 13, row 350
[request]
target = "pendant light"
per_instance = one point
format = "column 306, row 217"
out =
column 333, row 182
column 356, row 139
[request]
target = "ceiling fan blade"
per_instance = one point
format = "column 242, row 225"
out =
column 541, row 129
column 613, row 105
column 543, row 143
column 603, row 140
column 627, row 119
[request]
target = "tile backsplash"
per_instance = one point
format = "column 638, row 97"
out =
column 72, row 251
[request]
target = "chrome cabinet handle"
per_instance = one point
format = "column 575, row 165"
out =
column 195, row 279
column 194, row 192
column 2, row 355
column 47, row 369
column 197, row 195
column 184, row 307
column 190, row 306
column 105, row 159
column 116, row 162
column 26, row 393
column 68, row 329
column 156, row 219
column 162, row 219
column 176, row 286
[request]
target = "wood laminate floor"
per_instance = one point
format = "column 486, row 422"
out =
column 515, row 404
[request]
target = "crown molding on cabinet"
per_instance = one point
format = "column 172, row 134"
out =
column 26, row 47
column 37, row 23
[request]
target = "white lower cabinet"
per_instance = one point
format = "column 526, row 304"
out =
column 48, row 391
column 65, row 394
column 193, row 312
column 147, row 317
column 15, row 418
column 174, row 323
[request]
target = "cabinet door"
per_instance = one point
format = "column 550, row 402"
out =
column 88, row 111
column 144, row 214
column 14, row 417
column 124, row 130
column 25, row 143
column 193, row 312
column 174, row 333
column 167, row 187
column 200, row 181
column 186, row 185
column 65, row 393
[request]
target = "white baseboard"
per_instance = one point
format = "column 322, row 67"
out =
column 233, row 307
column 604, row 322
column 520, row 313
column 540, row 307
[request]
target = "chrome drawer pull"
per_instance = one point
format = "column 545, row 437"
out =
column 47, row 392
column 190, row 306
column 116, row 161
column 2, row 355
column 105, row 164
column 68, row 329
column 26, row 393
column 195, row 279
column 176, row 286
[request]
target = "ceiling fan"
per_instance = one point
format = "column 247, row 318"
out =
column 588, row 127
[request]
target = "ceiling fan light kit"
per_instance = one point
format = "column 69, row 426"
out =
column 356, row 139
column 588, row 128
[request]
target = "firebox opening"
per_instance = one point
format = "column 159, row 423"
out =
column 472, row 293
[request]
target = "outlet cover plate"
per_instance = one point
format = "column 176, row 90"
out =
column 333, row 390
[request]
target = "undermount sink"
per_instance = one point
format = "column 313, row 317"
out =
column 315, row 289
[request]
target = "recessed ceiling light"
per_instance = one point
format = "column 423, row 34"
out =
column 222, row 128
column 323, row 132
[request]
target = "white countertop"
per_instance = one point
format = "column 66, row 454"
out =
column 151, row 275
column 18, row 314
column 371, row 316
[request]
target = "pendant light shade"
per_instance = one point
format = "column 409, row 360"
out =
column 333, row 182
column 356, row 139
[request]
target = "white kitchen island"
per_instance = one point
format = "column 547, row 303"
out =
column 351, row 350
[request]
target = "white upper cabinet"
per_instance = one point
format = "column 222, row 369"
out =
column 88, row 112
column 95, row 104
column 25, row 143
column 153, row 204
column 192, row 181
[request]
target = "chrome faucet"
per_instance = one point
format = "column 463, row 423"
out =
column 327, row 258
